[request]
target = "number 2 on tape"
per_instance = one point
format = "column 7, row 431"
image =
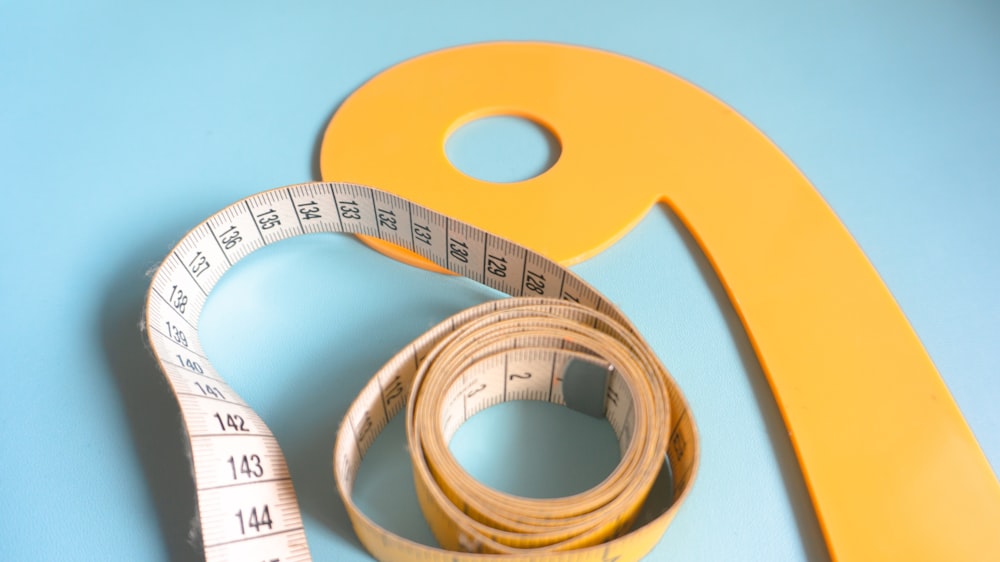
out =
column 557, row 339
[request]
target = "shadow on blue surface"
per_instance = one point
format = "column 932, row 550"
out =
column 159, row 439
column 814, row 546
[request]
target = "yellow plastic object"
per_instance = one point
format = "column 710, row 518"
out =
column 893, row 470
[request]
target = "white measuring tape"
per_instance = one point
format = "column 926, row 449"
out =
column 558, row 340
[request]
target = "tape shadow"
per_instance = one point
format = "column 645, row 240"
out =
column 154, row 417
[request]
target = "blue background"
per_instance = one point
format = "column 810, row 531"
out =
column 123, row 124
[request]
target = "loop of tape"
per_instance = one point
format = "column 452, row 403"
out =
column 556, row 340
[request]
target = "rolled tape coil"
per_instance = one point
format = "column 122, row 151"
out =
column 545, row 343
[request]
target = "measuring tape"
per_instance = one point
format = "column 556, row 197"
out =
column 556, row 340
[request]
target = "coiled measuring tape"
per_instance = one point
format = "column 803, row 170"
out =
column 558, row 340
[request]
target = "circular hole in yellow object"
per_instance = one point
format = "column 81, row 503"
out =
column 502, row 149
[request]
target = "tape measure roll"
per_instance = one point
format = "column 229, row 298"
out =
column 557, row 340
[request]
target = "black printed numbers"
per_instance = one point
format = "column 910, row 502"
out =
column 246, row 466
column 176, row 334
column 350, row 210
column 309, row 210
column 612, row 396
column 190, row 365
column 178, row 299
column 678, row 444
column 232, row 422
column 268, row 219
column 458, row 250
column 198, row 264
column 535, row 282
column 387, row 219
column 422, row 233
column 255, row 519
column 497, row 265
column 393, row 391
column 365, row 427
column 209, row 390
column 230, row 237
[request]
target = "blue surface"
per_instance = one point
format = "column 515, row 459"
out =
column 502, row 149
column 124, row 124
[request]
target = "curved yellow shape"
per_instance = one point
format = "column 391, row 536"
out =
column 893, row 470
